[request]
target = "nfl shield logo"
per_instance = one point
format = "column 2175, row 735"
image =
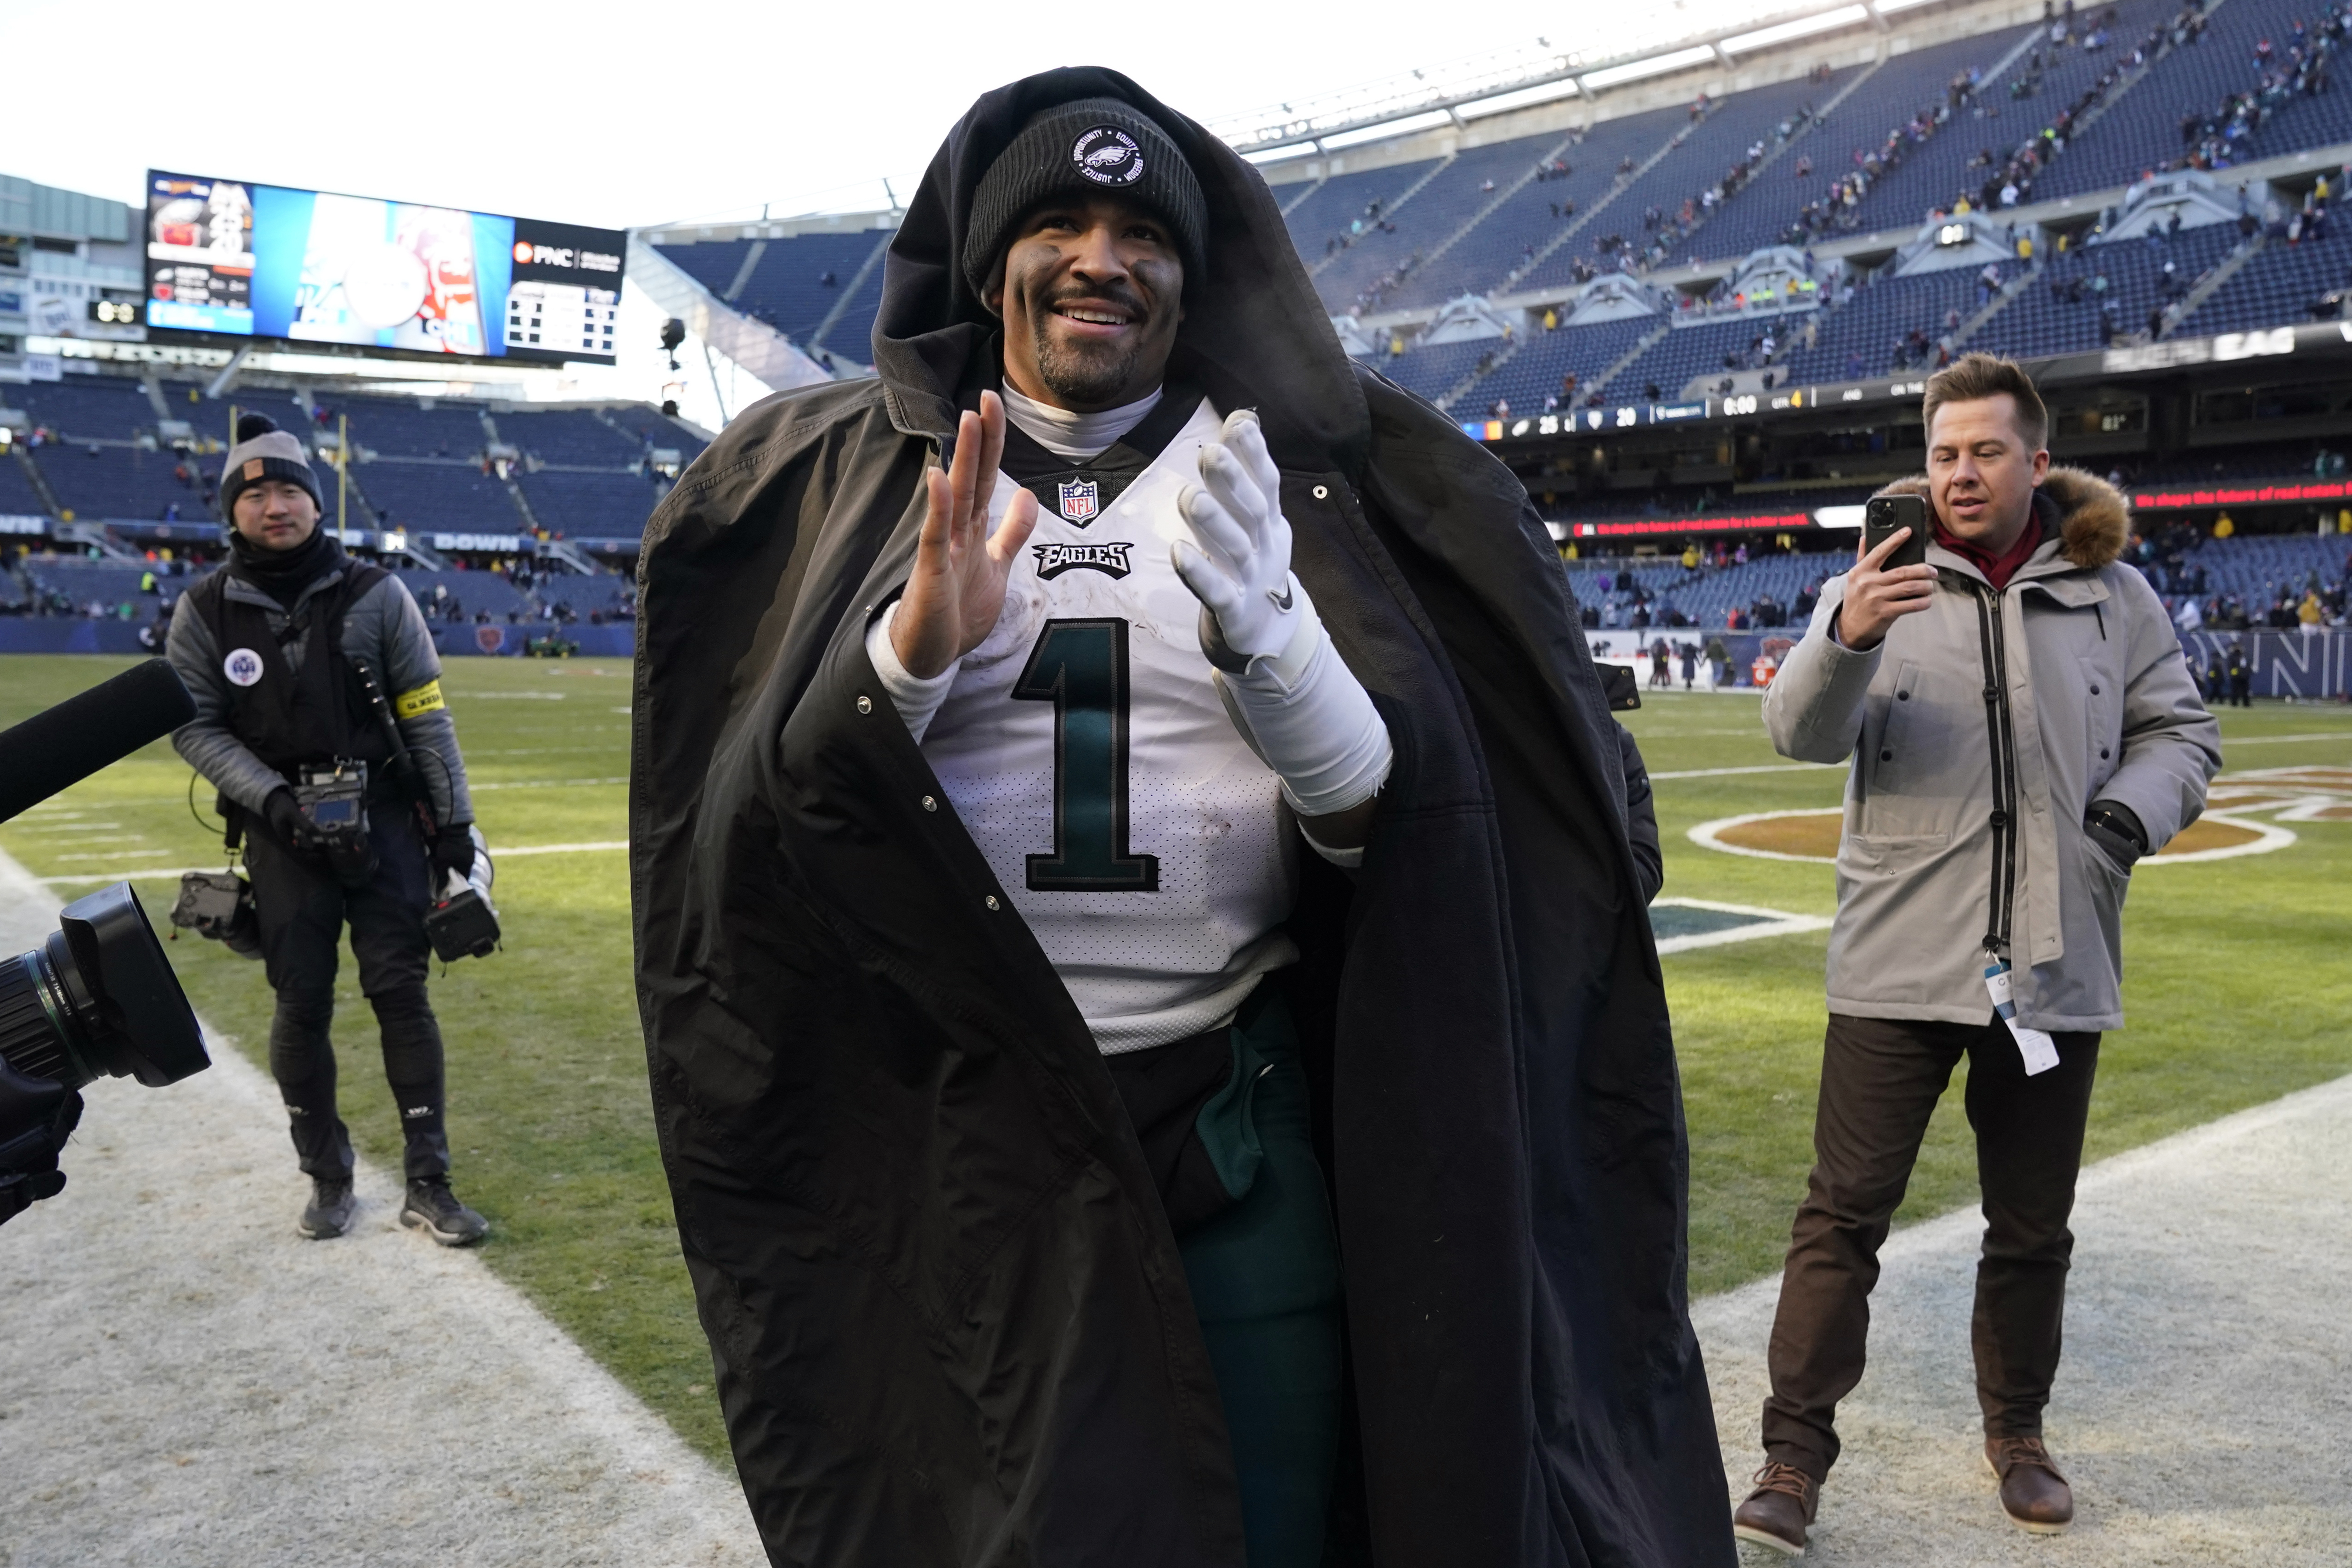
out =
column 1078, row 500
column 491, row 639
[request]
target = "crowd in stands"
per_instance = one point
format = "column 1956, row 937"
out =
column 2222, row 135
column 1837, row 209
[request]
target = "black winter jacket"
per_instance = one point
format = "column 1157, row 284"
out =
column 949, row 1318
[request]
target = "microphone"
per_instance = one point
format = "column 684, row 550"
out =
column 65, row 744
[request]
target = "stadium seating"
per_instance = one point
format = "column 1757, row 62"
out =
column 655, row 429
column 403, row 428
column 1324, row 214
column 570, row 436
column 1932, row 171
column 2142, row 131
column 108, row 583
column 96, row 408
column 788, row 287
column 2249, row 460
column 1702, row 597
column 1501, row 242
column 1451, row 199
column 2040, row 320
column 1433, row 371
column 1536, row 371
column 1859, row 335
column 711, row 263
column 1688, row 351
column 2067, row 72
column 1714, row 147
column 411, row 494
column 17, row 496
column 469, row 593
column 120, row 481
column 597, row 505
column 2278, row 285
column 2258, row 567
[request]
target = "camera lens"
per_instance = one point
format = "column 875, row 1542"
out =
column 98, row 1000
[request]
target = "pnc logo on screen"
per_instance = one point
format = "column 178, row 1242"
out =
column 528, row 254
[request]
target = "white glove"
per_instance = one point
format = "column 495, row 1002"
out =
column 1241, row 570
column 1289, row 692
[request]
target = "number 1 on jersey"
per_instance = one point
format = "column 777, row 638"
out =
column 1080, row 667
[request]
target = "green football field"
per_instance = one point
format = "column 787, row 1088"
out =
column 2239, row 989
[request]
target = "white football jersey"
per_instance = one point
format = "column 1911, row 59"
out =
column 1083, row 744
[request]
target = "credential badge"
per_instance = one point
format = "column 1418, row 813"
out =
column 1107, row 156
column 1078, row 501
column 243, row 666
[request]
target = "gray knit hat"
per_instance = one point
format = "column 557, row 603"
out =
column 264, row 451
column 1089, row 147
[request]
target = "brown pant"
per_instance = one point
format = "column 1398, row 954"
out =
column 1880, row 1081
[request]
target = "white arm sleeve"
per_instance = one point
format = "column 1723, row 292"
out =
column 1304, row 713
column 916, row 700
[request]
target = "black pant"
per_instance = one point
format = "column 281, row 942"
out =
column 302, row 909
column 1880, row 1081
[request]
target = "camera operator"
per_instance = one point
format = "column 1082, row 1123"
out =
column 266, row 647
column 2023, row 728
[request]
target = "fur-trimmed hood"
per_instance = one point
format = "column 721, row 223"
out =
column 2093, row 517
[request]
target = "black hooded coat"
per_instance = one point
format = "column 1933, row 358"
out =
column 948, row 1319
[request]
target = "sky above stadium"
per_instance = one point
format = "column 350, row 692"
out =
column 616, row 115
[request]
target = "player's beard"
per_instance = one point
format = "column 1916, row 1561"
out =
column 1085, row 375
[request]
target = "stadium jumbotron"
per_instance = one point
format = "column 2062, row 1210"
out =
column 1688, row 290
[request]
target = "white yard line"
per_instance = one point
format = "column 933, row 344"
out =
column 2201, row 1409
column 1765, row 767
column 186, row 1381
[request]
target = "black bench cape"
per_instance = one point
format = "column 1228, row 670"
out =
column 950, row 1323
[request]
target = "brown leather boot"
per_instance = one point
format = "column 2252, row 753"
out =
column 2032, row 1493
column 1776, row 1513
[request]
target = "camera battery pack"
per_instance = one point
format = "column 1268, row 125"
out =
column 462, row 926
column 217, row 906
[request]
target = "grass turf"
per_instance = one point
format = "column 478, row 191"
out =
column 2237, row 992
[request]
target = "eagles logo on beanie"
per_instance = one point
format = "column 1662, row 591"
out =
column 264, row 451
column 1089, row 147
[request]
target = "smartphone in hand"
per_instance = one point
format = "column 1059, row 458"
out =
column 1884, row 517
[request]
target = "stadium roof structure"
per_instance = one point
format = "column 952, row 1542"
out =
column 1518, row 77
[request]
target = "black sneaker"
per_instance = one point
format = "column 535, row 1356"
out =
column 433, row 1208
column 329, row 1213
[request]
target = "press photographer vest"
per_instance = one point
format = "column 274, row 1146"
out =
column 287, row 716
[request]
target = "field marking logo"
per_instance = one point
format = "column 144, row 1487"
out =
column 1110, row 559
column 1107, row 156
column 1079, row 501
column 243, row 666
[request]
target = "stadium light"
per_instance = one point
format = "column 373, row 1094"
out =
column 1839, row 517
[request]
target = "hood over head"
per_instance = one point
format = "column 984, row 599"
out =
column 1255, row 334
column 2094, row 520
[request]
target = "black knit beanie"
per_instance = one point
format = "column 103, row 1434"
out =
column 1089, row 147
column 264, row 451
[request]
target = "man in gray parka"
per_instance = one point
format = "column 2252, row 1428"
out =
column 269, row 647
column 2023, row 728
